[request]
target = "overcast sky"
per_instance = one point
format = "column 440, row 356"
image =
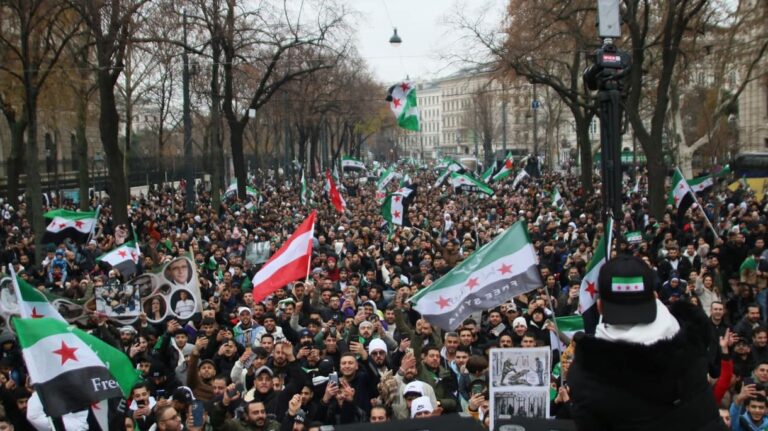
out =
column 427, row 37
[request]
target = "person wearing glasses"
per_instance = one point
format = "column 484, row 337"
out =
column 168, row 419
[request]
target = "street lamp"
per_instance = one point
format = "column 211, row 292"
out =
column 395, row 40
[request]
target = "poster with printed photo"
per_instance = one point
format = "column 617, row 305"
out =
column 519, row 379
column 117, row 300
column 171, row 290
column 532, row 404
column 520, row 367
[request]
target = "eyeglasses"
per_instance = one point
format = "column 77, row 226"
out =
column 172, row 418
column 378, row 353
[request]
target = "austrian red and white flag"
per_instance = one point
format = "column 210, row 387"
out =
column 334, row 195
column 288, row 264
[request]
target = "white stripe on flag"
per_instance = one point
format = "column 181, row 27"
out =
column 297, row 249
column 57, row 354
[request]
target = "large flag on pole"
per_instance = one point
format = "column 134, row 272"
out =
column 77, row 225
column 680, row 195
column 557, row 199
column 520, row 175
column 505, row 171
column 499, row 271
column 125, row 259
column 486, row 176
column 351, row 164
column 468, row 183
column 395, row 208
column 386, row 177
column 288, row 264
column 306, row 193
column 333, row 194
column 701, row 184
column 32, row 303
column 71, row 369
column 588, row 289
column 402, row 101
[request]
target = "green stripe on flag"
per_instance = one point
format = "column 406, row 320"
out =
column 570, row 324
column 70, row 215
column 627, row 280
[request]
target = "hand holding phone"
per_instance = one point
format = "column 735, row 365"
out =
column 198, row 410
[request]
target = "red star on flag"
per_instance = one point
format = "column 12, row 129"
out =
column 134, row 256
column 505, row 268
column 591, row 289
column 66, row 353
column 472, row 283
column 122, row 253
column 62, row 225
column 442, row 302
column 682, row 186
column 397, row 198
column 508, row 164
column 396, row 214
column 396, row 102
column 78, row 224
column 34, row 314
column 405, row 86
column 677, row 198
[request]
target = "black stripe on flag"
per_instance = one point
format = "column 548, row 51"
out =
column 489, row 296
column 76, row 390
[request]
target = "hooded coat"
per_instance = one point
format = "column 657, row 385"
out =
column 661, row 386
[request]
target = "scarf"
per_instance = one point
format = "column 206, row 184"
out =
column 664, row 327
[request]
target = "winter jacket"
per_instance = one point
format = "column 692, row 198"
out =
column 740, row 420
column 629, row 386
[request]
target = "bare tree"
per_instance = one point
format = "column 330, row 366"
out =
column 35, row 38
column 111, row 23
column 266, row 46
column 546, row 42
column 708, row 84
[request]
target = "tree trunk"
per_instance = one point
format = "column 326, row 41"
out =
column 15, row 160
column 109, row 122
column 236, row 131
column 487, row 150
column 585, row 153
column 215, row 137
column 33, row 187
column 81, row 142
column 657, row 174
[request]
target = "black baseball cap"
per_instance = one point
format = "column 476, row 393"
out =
column 626, row 286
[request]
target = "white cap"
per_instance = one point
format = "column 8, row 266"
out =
column 415, row 386
column 519, row 321
column 377, row 344
column 421, row 404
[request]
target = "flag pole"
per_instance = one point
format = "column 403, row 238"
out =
column 309, row 260
column 93, row 229
column 706, row 219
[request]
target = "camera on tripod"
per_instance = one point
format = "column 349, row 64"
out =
column 610, row 64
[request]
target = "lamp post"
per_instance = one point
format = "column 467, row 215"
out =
column 189, row 167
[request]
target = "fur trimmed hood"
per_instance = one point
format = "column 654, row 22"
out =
column 654, row 371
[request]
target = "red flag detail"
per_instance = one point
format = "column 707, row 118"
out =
column 334, row 194
column 288, row 264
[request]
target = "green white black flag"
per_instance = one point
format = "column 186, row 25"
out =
column 499, row 271
column 71, row 369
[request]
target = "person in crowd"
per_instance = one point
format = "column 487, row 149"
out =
column 345, row 345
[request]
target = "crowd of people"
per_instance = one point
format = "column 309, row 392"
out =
column 344, row 346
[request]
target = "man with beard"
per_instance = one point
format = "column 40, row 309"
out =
column 442, row 380
column 245, row 328
column 200, row 374
column 254, row 419
column 377, row 362
column 269, row 327
column 749, row 322
column 662, row 381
